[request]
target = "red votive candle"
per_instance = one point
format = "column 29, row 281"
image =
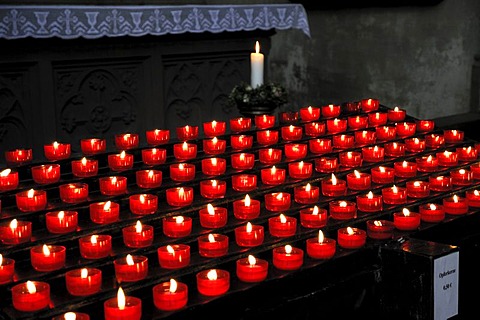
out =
column 365, row 137
column 405, row 169
column 405, row 129
column 315, row 129
column 330, row 111
column 112, row 186
column 373, row 154
column 333, row 187
column 351, row 238
column 269, row 156
column 447, row 158
column 61, row 221
column 326, row 164
column 273, row 176
column 427, row 163
column 287, row 257
column 277, row 201
column 425, row 125
column 414, row 145
column 461, row 177
column 174, row 256
column 138, row 236
column 336, row 125
column 309, row 113
column 104, row 212
column 453, row 136
column 241, row 142
column 321, row 247
column 149, row 178
column 185, row 151
column 382, row 175
column 282, row 226
column 154, row 156
column 440, row 183
column 380, row 229
column 357, row 122
column 18, row 156
column 394, row 195
column 251, row 269
column 406, row 220
column 187, row 133
column 430, row 212
column 179, row 196
column 244, row 182
column 313, row 217
column 214, row 166
column 359, row 180
column 264, row 121
column 171, row 295
column 455, row 205
column 473, row 198
column 93, row 146
column 396, row 114
column 213, row 245
column 385, row 133
column 142, row 204
column 296, row 151
column 434, row 140
column 343, row 141
column 120, row 161
column 350, row 159
column 242, row 161
column 288, row 117
column 31, row 296
column 72, row 315
column 475, row 168
column 249, row 235
column 157, row 136
column 57, row 151
column 73, row 192
column 246, row 209
column 214, row 146
column 213, row 282
column 300, row 170
column 394, row 149
column 46, row 173
column 376, row 119
column 31, row 200
column 369, row 202
column 131, row 268
column 342, row 210
column 95, row 246
column 319, row 146
column 15, row 232
column 182, row 172
column 368, row 105
column 306, row 194
column 214, row 128
column 8, row 180
column 240, row 124
column 267, row 137
column 467, row 153
column 418, row 189
column 213, row 217
column 47, row 257
column 122, row 307
column 84, row 281
column 125, row 141
column 213, row 189
column 177, row 226
column 291, row 132
column 84, row 168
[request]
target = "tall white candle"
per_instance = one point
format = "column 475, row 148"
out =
column 256, row 65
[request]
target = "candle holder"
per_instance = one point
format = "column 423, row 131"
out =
column 382, row 175
column 213, row 245
column 321, row 247
column 300, row 170
column 394, row 149
column 242, row 161
column 427, row 163
column 447, row 158
column 143, row 204
column 473, row 198
column 213, row 282
column 157, row 136
column 154, row 156
column 467, row 154
column 313, row 218
column 365, row 137
column 307, row 194
column 396, row 114
column 241, row 142
column 213, row 189
column 405, row 169
column 179, row 196
column 434, row 140
column 430, row 212
column 264, row 121
column 177, row 226
column 121, row 161
column 95, row 246
column 461, row 177
column 270, row 156
column 475, row 168
column 93, row 146
column 292, row 133
column 7, row 269
column 343, row 141
column 31, row 200
column 113, row 185
column 251, row 269
column 185, row 151
column 131, row 268
column 8, row 180
column 376, row 119
column 214, row 128
column 380, row 229
column 406, row 129
column 73, row 192
column 351, row 238
column 45, row 174
column 359, row 180
column 244, row 182
column 453, row 136
column 373, row 154
column 84, row 168
column 386, row 133
column 418, row 189
column 333, row 187
column 406, row 220
column 309, row 113
column 320, row 146
column 170, row 296
column 240, row 124
column 273, row 176
column 15, row 232
column 213, row 217
column 246, row 209
column 415, row 145
column 122, row 307
column 148, row 179
column 357, row 122
column 104, row 212
column 342, row 210
column 214, row 166
column 287, row 258
column 182, row 172
column 326, row 164
column 61, row 221
column 330, row 111
column 45, row 258
column 277, row 201
column 394, row 195
column 31, row 296
column 126, row 141
column 84, row 281
column 336, row 125
column 138, row 236
column 455, row 205
column 174, row 256
column 369, row 105
column 214, row 146
column 282, row 226
column 440, row 183
column 287, row 117
column 296, row 151
column 267, row 137
column 350, row 159
column 315, row 129
column 187, row 132
column 57, row 151
column 369, row 202
column 249, row 235
column 18, row 156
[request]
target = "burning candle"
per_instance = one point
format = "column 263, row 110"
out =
column 336, row 125
column 296, row 151
column 287, row 258
column 273, row 176
column 214, row 166
column 342, row 210
column 18, row 156
column 142, row 204
column 213, row 217
column 249, row 235
column 352, row 159
column 396, row 114
column 475, row 168
column 380, row 229
column 319, row 146
column 214, row 146
column 73, row 192
column 453, row 136
column 357, row 122
column 138, row 236
column 369, row 202
column 72, row 316
column 170, row 295
column 122, row 307
column 343, row 141
column 244, row 182
column 240, row 124
column 47, row 257
column 359, row 180
column 473, row 198
column 126, row 141
column 264, row 121
column 415, row 145
column 321, row 247
column 406, row 220
column 373, row 154
column 365, row 137
column 31, row 296
column 267, row 137
column 181, row 172
column 44, row 174
column 394, row 149
column 455, row 205
column 394, row 195
column 333, row 187
column 406, row 129
column 315, row 129
column 434, row 140
column 154, row 156
column 93, row 146
column 405, row 169
column 187, row 133
column 382, row 175
column 57, row 151
column 376, row 119
column 440, row 183
column 467, row 153
column 242, row 161
column 15, row 232
column 427, row 163
column 214, row 128
column 326, row 164
column 104, row 212
column 369, row 104
column 148, row 179
column 213, row 189
column 131, row 268
column 251, row 269
column 246, row 209
column 213, row 245
column 95, row 246
column 84, row 168
column 213, row 282
column 306, row 194
column 418, row 189
column 269, row 156
column 179, row 196
column 313, row 217
column 351, row 238
column 291, row 132
column 277, row 201
column 185, row 151
column 256, row 67
column 309, row 113
column 461, row 177
column 7, row 269
column 157, row 136
column 8, row 180
column 385, row 133
column 425, row 125
column 31, row 200
column 430, row 212
column 241, row 142
column 112, row 186
column 174, row 256
column 300, row 170
column 84, row 281
column 282, row 226
column 288, row 117
column 331, row 110
column 447, row 158
column 177, row 226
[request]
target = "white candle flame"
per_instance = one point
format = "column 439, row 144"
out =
column 178, row 219
column 247, row 201
column 138, row 227
column 251, row 260
column 70, row 316
column 321, row 237
column 46, row 250
column 249, row 227
column 212, row 274
column 129, row 260
column 173, row 286
column 5, row 172
column 31, row 288
column 406, row 212
column 13, row 224
column 210, row 209
column 30, row 193
column 315, row 210
column 288, row 249
column 350, row 231
column 211, row 238
column 283, row 219
column 84, row 273
column 121, row 299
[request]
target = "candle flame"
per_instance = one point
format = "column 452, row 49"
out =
column 55, row 145
column 84, row 161
column 350, row 231
column 1, row 259
column 126, row 136
column 461, row 171
column 70, row 316
column 247, row 201
column 342, row 204
column 138, row 227
column 315, row 210
column 370, row 195
column 113, row 180
column 396, row 109
column 107, row 205
column 377, row 223
column 93, row 239
column 433, row 207
column 214, row 140
column 180, row 166
column 211, row 238
column 214, row 183
column 349, row 154
column 31, row 287
column 5, row 172
column 454, row 132
column 308, row 187
column 455, row 198
column 394, row 189
column 142, row 198
column 291, row 128
column 416, row 183
column 212, row 274
column 170, row 249
column 475, row 192
column 46, row 250
column 84, row 273
column 181, row 192
column 257, row 50
column 213, row 161
column 334, row 180
column 336, row 121
column 288, row 249
column 447, row 153
column 251, row 260
column 270, row 152
column 357, row 174
column 150, row 174
column 279, row 196
column 154, row 150
column 404, row 164
column 61, row 215
column 210, row 209
column 469, row 149
column 406, row 212
column 382, row 169
column 129, row 259
column 283, row 219
column 321, row 237
column 173, row 286
column 429, row 158
column 178, row 219
column 249, row 227
column 300, row 165
column 273, row 170
column 13, row 224
column 120, row 299
column 30, row 193
column 185, row 146
column 122, row 155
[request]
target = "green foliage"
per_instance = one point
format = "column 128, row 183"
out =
column 265, row 94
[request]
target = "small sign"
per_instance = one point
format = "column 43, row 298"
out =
column 445, row 285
